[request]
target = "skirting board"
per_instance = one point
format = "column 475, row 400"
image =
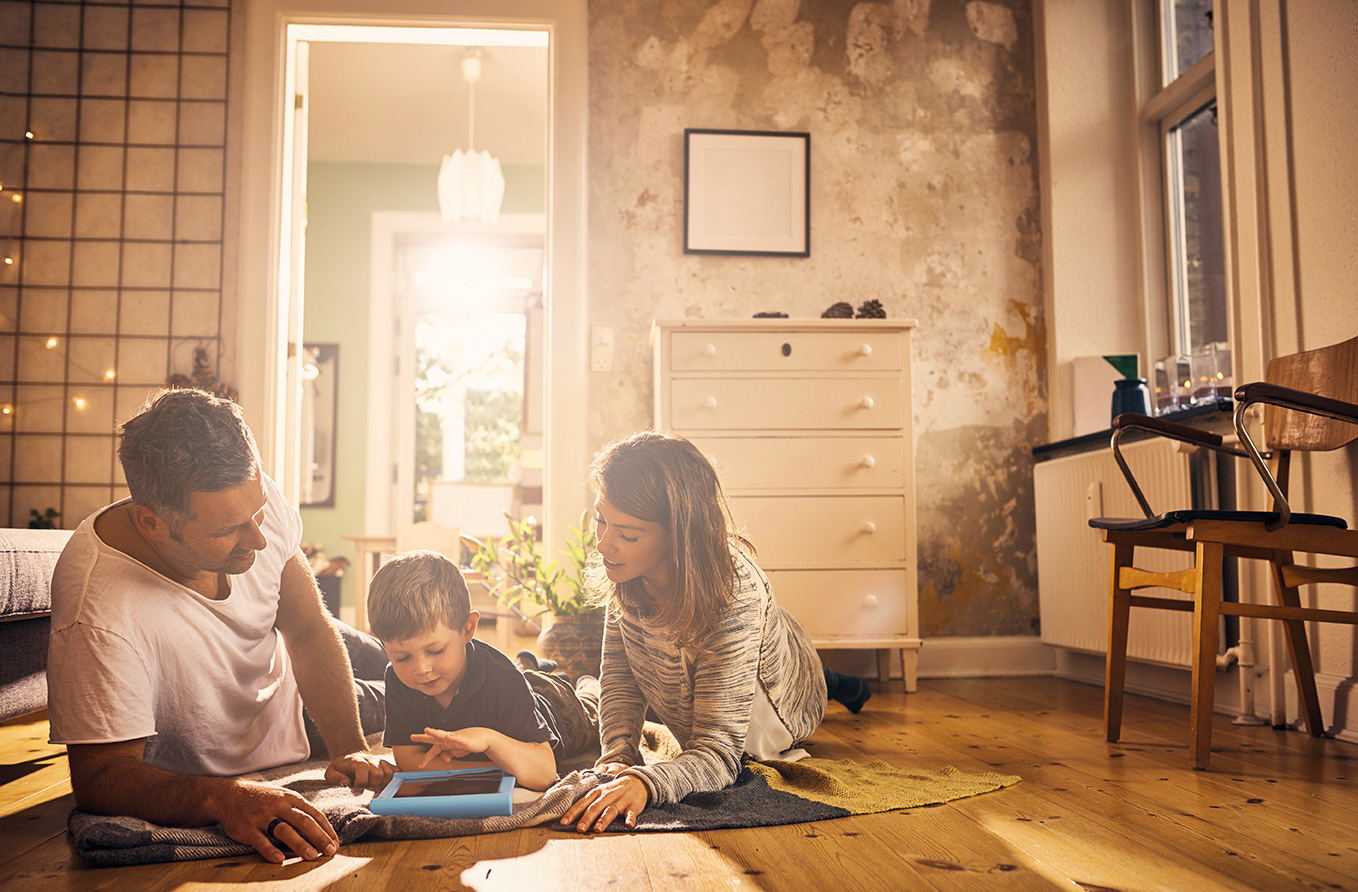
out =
column 955, row 658
column 974, row 657
column 1169, row 683
column 1338, row 694
column 1338, row 700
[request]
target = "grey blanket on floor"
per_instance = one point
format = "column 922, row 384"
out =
column 112, row 841
column 765, row 794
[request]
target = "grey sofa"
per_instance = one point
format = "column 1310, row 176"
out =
column 26, row 561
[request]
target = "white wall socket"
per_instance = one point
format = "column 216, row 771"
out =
column 601, row 349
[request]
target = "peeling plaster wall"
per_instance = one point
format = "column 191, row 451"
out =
column 923, row 195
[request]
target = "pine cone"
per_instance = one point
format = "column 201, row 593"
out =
column 841, row 310
column 871, row 309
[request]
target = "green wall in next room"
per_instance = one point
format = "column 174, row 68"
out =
column 341, row 199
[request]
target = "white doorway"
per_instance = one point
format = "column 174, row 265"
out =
column 266, row 301
column 447, row 292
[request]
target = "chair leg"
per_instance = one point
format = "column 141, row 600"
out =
column 1115, row 663
column 1298, row 648
column 1206, row 614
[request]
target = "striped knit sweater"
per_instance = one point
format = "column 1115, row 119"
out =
column 705, row 696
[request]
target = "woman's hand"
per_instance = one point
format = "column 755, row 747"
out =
column 623, row 798
column 613, row 768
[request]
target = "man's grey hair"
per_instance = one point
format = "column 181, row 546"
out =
column 181, row 442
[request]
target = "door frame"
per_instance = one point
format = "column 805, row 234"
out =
column 263, row 82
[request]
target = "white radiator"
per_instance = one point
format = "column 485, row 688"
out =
column 1073, row 562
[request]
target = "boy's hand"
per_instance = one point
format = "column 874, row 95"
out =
column 450, row 745
column 361, row 771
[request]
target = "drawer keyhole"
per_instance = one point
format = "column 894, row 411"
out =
column 787, row 349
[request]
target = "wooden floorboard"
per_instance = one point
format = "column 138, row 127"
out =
column 1278, row 810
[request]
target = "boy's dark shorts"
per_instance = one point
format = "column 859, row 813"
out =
column 576, row 709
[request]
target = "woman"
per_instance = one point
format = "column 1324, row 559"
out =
column 692, row 632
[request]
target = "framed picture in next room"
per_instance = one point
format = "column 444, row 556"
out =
column 747, row 192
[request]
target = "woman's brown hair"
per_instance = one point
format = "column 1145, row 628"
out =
column 665, row 479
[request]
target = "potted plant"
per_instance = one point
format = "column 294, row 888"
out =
column 521, row 577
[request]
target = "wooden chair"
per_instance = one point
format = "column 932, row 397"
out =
column 1311, row 404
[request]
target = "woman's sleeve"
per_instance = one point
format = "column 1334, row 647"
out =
column 622, row 708
column 723, row 697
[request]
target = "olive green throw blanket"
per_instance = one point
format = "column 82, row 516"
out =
column 770, row 793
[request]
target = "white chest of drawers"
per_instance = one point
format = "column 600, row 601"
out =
column 808, row 422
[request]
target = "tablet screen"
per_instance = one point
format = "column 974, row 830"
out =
column 479, row 781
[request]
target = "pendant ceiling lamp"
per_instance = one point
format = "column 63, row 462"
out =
column 471, row 183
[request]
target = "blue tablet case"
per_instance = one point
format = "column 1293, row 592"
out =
column 461, row 805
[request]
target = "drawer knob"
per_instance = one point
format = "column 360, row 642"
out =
column 865, row 350
column 710, row 402
column 866, row 402
column 868, row 528
column 709, row 350
column 870, row 601
column 869, row 461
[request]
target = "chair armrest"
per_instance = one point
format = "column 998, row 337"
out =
column 1160, row 427
column 1300, row 400
column 1247, row 395
column 1170, row 429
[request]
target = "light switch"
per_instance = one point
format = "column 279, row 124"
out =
column 601, row 349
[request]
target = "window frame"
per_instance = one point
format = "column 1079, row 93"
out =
column 1161, row 109
column 1176, row 286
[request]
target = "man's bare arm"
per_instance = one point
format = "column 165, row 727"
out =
column 325, row 678
column 112, row 779
column 318, row 657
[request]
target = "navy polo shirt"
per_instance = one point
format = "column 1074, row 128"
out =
column 494, row 694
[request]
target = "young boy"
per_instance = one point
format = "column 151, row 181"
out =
column 454, row 701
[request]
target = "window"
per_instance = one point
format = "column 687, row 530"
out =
column 1187, row 29
column 1194, row 212
column 465, row 354
column 1185, row 110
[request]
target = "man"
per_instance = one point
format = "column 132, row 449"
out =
column 186, row 622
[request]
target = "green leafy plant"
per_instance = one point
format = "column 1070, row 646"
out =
column 45, row 521
column 519, row 573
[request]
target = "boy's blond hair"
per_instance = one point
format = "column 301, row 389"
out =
column 414, row 592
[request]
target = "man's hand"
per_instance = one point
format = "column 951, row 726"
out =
column 361, row 771
column 623, row 798
column 271, row 818
column 450, row 745
column 112, row 779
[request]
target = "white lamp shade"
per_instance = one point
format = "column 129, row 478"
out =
column 471, row 186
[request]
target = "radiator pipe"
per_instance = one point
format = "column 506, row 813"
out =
column 1277, row 690
column 1248, row 714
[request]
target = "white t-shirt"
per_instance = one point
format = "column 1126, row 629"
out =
column 134, row 655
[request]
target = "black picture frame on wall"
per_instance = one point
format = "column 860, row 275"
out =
column 747, row 192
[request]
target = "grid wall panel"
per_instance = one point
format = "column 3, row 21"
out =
column 112, row 172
